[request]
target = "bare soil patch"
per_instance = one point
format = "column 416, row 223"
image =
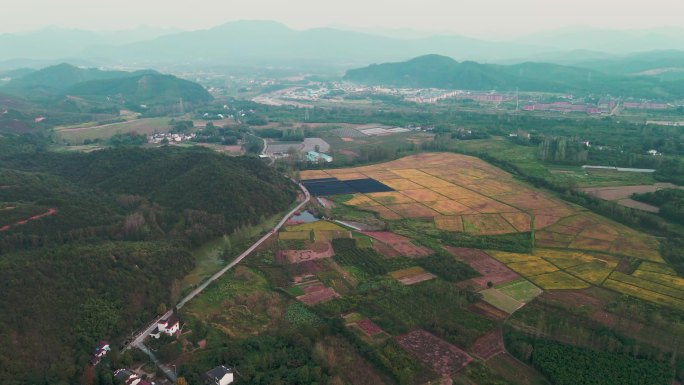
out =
column 492, row 270
column 317, row 293
column 369, row 327
column 443, row 357
column 488, row 345
column 487, row 310
column 51, row 211
column 322, row 250
column 402, row 245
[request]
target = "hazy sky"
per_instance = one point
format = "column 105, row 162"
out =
column 488, row 18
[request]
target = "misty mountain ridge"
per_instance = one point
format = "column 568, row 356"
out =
column 269, row 44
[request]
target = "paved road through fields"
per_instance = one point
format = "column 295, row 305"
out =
column 139, row 339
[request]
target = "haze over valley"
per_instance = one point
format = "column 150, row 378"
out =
column 331, row 193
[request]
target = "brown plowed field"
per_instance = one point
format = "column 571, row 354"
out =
column 402, row 245
column 487, row 310
column 443, row 357
column 369, row 327
column 488, row 345
column 317, row 293
column 491, row 269
column 321, row 250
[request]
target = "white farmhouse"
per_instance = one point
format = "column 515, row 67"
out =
column 169, row 326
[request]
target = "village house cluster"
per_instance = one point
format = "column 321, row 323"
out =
column 159, row 138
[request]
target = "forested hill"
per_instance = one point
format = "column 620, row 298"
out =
column 62, row 76
column 106, row 240
column 91, row 84
column 434, row 71
column 143, row 89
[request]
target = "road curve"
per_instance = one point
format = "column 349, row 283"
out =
column 139, row 339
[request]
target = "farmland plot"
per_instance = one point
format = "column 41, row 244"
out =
column 443, row 357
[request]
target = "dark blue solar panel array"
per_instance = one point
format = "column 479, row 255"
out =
column 333, row 186
column 367, row 185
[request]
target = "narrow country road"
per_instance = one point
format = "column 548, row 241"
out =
column 139, row 339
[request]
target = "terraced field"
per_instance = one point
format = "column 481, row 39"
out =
column 465, row 194
column 564, row 269
column 575, row 248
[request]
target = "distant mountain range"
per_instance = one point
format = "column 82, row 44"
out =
column 139, row 87
column 54, row 43
column 606, row 40
column 435, row 71
column 270, row 44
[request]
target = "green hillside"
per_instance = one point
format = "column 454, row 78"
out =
column 434, row 71
column 63, row 76
column 144, row 89
column 115, row 246
column 54, row 84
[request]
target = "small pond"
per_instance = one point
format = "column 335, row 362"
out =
column 304, row 217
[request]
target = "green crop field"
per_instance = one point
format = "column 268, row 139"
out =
column 76, row 135
column 500, row 300
column 558, row 280
column 521, row 290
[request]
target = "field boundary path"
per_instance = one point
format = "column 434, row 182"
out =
column 138, row 340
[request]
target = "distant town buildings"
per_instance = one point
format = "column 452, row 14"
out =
column 159, row 138
column 567, row 107
column 645, row 106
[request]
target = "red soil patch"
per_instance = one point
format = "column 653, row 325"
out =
column 369, row 327
column 492, row 270
column 349, row 153
column 541, row 221
column 316, row 293
column 304, row 268
column 347, row 140
column 33, row 218
column 402, row 245
column 488, row 345
column 484, row 309
column 319, row 251
column 385, row 250
column 443, row 357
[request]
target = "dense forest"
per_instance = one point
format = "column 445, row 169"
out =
column 670, row 202
column 108, row 243
column 571, row 365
